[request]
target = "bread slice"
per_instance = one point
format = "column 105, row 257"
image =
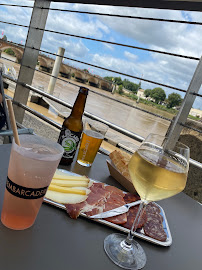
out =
column 120, row 161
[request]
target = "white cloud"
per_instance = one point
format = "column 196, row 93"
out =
column 73, row 48
column 8, row 14
column 172, row 37
column 76, row 49
column 173, row 73
column 108, row 46
column 130, row 56
column 76, row 24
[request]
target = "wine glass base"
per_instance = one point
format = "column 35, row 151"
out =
column 85, row 164
column 126, row 256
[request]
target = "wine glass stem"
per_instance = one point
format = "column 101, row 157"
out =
column 141, row 208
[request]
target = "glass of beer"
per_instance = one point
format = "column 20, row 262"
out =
column 31, row 168
column 92, row 137
column 158, row 171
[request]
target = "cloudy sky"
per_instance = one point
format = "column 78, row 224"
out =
column 177, row 38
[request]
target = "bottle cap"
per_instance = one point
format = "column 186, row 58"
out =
column 83, row 90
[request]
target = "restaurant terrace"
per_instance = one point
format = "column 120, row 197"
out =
column 57, row 241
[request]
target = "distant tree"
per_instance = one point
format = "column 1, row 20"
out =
column 173, row 100
column 126, row 83
column 4, row 38
column 147, row 92
column 158, row 94
column 9, row 51
column 110, row 79
column 86, row 70
column 130, row 85
column 118, row 80
column 120, row 89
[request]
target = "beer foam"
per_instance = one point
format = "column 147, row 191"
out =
column 94, row 134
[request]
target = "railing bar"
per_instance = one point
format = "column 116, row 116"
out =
column 17, row 44
column 191, row 161
column 117, row 72
column 171, row 87
column 40, row 71
column 195, row 129
column 61, row 102
column 91, row 116
column 8, row 59
column 68, row 105
column 181, row 90
column 53, row 123
column 112, row 15
column 128, row 16
column 110, row 42
column 122, row 45
column 99, row 119
column 11, row 5
column 132, row 106
column 16, row 24
column 195, row 163
column 41, row 116
column 196, row 94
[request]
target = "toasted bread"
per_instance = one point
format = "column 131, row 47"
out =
column 120, row 161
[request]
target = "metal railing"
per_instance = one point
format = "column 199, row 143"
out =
column 68, row 105
column 89, row 115
column 33, row 43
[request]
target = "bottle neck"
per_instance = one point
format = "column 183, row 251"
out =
column 79, row 104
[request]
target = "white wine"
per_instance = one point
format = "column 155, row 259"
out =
column 156, row 176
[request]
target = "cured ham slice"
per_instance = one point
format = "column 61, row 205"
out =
column 94, row 203
column 115, row 200
column 101, row 198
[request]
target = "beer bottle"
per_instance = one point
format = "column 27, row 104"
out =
column 72, row 128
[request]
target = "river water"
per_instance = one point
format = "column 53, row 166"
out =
column 122, row 115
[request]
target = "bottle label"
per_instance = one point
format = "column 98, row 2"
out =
column 24, row 192
column 69, row 141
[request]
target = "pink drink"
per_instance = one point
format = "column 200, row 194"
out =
column 30, row 172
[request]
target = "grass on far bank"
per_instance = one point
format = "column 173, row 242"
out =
column 150, row 103
column 158, row 106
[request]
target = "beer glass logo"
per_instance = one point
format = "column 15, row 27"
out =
column 69, row 144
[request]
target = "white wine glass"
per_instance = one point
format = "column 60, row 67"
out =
column 157, row 173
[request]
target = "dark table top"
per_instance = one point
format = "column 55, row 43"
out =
column 57, row 242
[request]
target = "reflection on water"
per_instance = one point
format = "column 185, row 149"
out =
column 122, row 115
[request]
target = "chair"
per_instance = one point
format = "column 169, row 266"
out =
column 5, row 126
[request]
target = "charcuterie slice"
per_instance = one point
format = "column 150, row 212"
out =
column 155, row 230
